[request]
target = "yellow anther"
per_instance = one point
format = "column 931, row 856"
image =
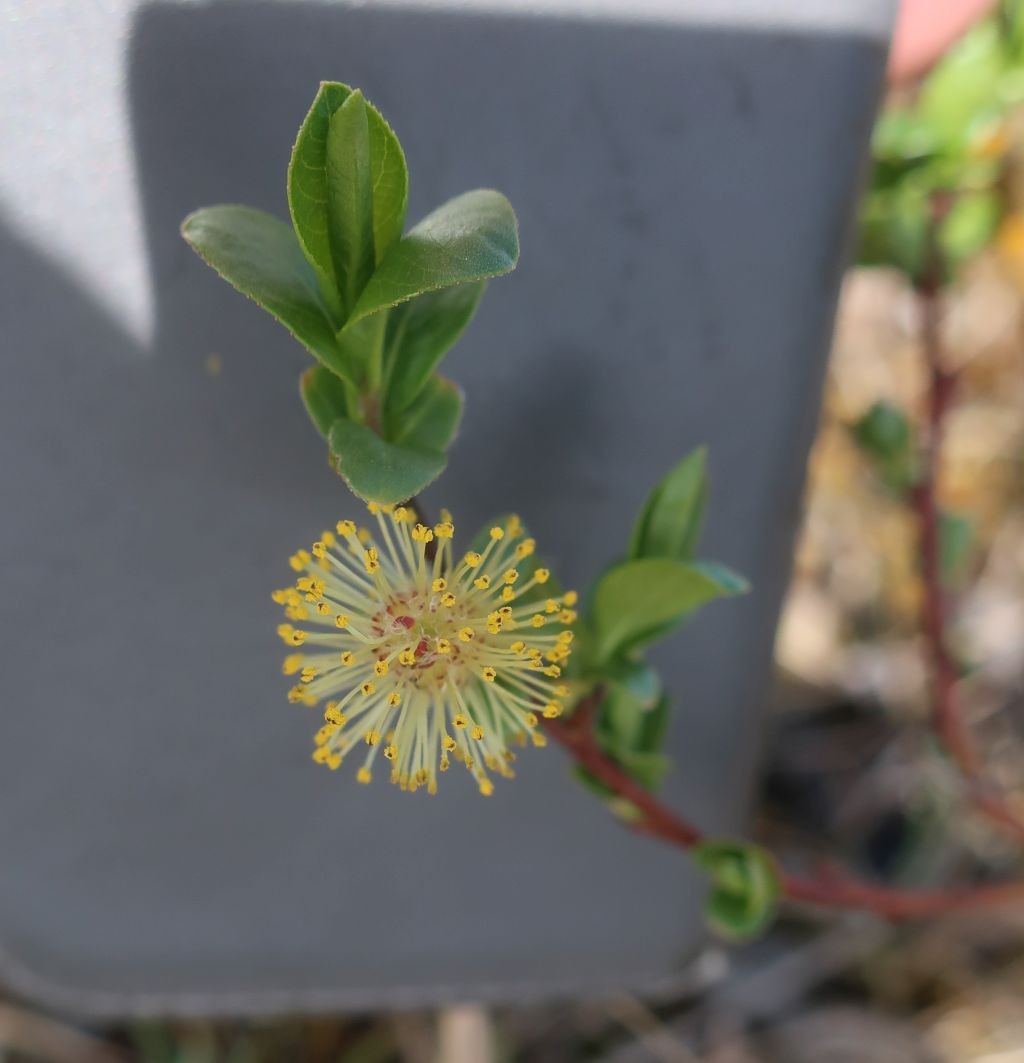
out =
column 510, row 575
column 297, row 638
column 321, row 754
column 552, row 710
column 477, row 733
column 367, row 689
column 370, row 560
column 407, row 657
column 494, row 625
column 518, row 647
column 439, row 585
column 297, row 694
column 444, row 530
column 334, row 761
column 299, row 560
column 292, row 663
column 488, row 674
column 505, row 612
column 363, row 775
column 542, row 575
column 539, row 739
column 552, row 671
column 399, row 514
column 445, row 764
column 371, row 738
column 497, row 533
column 551, row 606
column 390, row 752
column 538, row 620
column 483, row 582
column 308, row 674
column 465, row 634
column 565, row 637
column 364, row 536
column 422, row 534
column 394, row 698
column 570, row 597
column 459, row 720
column 341, row 620
column 373, row 508
column 323, row 609
column 562, row 690
column 472, row 559
column 346, row 527
column 507, row 594
column 327, row 537
column 448, row 599
column 280, row 596
column 381, row 667
column 332, row 714
column 325, row 734
column 443, row 646
column 525, row 548
column 348, row 658
column 486, row 787
column 319, row 549
column 449, row 743
column 567, row 616
column 530, row 719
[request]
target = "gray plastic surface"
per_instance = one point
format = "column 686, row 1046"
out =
column 684, row 191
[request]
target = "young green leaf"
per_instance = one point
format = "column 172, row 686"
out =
column 669, row 523
column 432, row 421
column 310, row 199
column 378, row 471
column 350, row 196
column 259, row 256
column 730, row 583
column 639, row 600
column 420, row 333
column 745, row 887
column 471, row 237
column 324, row 397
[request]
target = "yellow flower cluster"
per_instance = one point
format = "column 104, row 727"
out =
column 419, row 657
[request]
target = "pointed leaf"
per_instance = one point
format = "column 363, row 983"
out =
column 669, row 523
column 420, row 334
column 323, row 394
column 471, row 237
column 432, row 421
column 637, row 600
column 350, row 196
column 308, row 197
column 378, row 471
column 260, row 256
column 729, row 583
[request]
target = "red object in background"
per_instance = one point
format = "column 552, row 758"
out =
column 925, row 29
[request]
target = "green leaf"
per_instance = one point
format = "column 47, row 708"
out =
column 432, row 421
column 969, row 227
column 956, row 542
column 471, row 237
column 636, row 601
column 324, row 397
column 378, row 471
column 730, row 583
column 259, row 256
column 669, row 523
column 635, row 678
column 350, row 196
column 310, row 199
column 745, row 887
column 883, row 433
column 420, row 332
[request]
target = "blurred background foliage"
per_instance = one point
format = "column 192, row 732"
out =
column 852, row 769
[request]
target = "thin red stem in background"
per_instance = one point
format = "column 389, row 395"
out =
column 947, row 717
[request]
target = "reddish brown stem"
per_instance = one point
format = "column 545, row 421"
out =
column 831, row 889
column 947, row 717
